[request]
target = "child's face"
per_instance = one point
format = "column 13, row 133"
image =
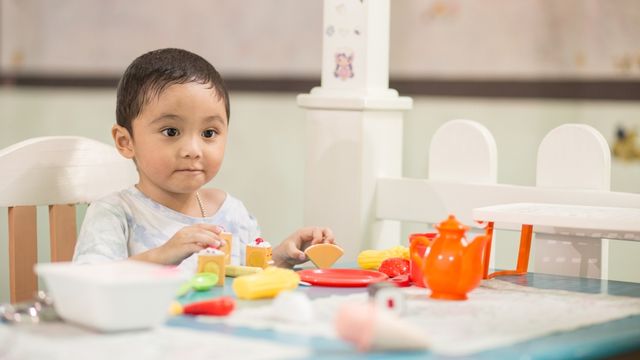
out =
column 179, row 140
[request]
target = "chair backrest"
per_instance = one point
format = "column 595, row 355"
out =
column 58, row 172
column 463, row 151
column 573, row 156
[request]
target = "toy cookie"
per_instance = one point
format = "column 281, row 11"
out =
column 324, row 255
column 212, row 260
column 258, row 254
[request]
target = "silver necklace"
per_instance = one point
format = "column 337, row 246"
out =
column 202, row 211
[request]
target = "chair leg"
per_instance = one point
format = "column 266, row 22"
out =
column 23, row 253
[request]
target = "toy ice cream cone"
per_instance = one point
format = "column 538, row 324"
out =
column 258, row 254
column 211, row 260
column 372, row 329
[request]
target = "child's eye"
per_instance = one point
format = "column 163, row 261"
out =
column 209, row 133
column 170, row 132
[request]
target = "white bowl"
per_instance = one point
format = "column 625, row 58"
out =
column 122, row 295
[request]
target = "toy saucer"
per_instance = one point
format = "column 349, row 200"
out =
column 341, row 277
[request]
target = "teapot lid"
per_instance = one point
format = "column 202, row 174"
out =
column 452, row 224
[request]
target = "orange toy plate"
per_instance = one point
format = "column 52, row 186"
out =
column 341, row 277
column 324, row 255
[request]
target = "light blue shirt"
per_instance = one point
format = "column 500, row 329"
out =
column 128, row 222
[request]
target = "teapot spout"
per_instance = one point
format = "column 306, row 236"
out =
column 476, row 247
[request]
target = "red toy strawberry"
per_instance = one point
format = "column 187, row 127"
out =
column 217, row 307
column 394, row 267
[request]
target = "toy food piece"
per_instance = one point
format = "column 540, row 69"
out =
column 204, row 281
column 184, row 289
column 175, row 308
column 211, row 260
column 221, row 306
column 401, row 280
column 372, row 329
column 371, row 259
column 227, row 240
column 265, row 284
column 324, row 255
column 394, row 267
column 258, row 253
column 237, row 270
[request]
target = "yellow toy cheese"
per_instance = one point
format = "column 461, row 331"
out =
column 324, row 255
column 265, row 284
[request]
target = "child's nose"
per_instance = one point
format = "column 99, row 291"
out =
column 191, row 147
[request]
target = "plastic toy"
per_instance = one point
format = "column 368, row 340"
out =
column 258, row 253
column 324, row 255
column 371, row 259
column 453, row 265
column 401, row 280
column 227, row 241
column 211, row 260
column 341, row 277
column 221, row 306
column 394, row 267
column 175, row 308
column 265, row 284
column 418, row 244
column 373, row 329
column 237, row 270
column 204, row 281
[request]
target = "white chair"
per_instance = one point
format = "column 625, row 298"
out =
column 573, row 156
column 463, row 151
column 58, row 172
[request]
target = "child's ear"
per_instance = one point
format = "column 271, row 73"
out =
column 123, row 140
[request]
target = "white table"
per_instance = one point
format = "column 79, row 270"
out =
column 572, row 220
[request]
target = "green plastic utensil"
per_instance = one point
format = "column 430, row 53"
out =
column 204, row 281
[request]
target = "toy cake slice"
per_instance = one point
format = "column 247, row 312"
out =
column 324, row 255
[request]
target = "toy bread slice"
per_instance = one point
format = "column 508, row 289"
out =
column 324, row 255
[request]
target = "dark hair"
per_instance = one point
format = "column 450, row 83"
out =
column 152, row 73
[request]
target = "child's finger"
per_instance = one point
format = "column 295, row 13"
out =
column 328, row 236
column 206, row 239
column 316, row 235
column 213, row 228
column 294, row 253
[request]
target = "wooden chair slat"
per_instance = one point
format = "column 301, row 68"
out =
column 23, row 252
column 62, row 230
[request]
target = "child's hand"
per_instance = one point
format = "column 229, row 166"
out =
column 290, row 252
column 184, row 243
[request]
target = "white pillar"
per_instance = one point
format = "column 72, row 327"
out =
column 354, row 126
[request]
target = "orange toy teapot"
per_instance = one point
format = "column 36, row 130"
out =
column 452, row 266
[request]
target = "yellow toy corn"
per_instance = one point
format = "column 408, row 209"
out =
column 237, row 270
column 265, row 284
column 371, row 259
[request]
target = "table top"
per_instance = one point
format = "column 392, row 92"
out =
column 594, row 221
column 597, row 341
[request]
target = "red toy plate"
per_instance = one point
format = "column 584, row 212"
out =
column 341, row 277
